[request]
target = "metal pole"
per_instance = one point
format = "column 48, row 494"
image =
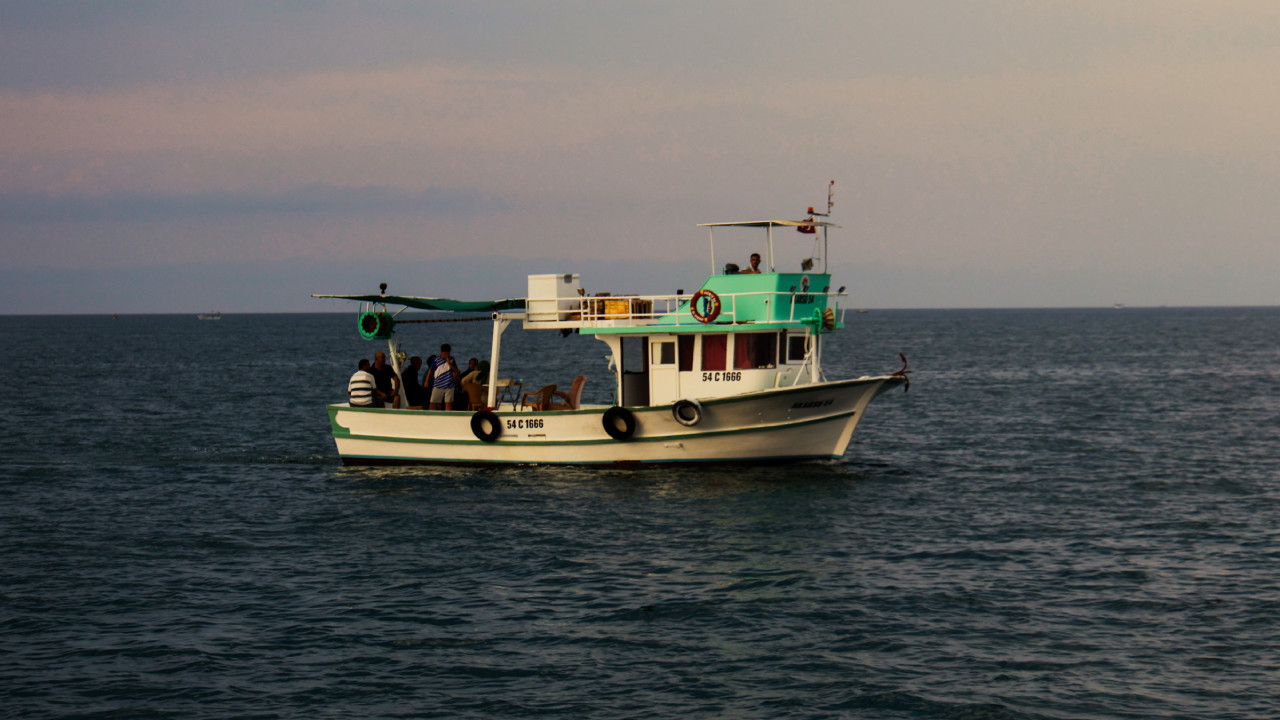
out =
column 817, row 356
column 769, row 232
column 824, row 251
column 712, row 233
column 393, row 351
column 500, row 323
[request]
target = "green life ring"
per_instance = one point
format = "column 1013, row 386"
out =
column 376, row 325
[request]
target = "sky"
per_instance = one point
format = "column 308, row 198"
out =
column 240, row 156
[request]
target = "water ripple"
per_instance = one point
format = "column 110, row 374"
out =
column 1071, row 515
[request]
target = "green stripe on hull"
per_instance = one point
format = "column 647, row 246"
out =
column 601, row 441
column 566, row 447
column 400, row 460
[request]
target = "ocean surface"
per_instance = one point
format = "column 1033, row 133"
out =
column 1072, row 514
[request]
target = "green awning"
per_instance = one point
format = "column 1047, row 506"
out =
column 443, row 304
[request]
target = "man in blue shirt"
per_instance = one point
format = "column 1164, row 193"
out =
column 442, row 378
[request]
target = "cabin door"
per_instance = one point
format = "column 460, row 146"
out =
column 664, row 381
column 635, row 371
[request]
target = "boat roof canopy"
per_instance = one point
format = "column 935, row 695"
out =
column 444, row 304
column 770, row 223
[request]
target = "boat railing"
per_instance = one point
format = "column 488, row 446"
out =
column 604, row 311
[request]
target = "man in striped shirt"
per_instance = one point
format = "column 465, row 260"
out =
column 360, row 387
column 442, row 378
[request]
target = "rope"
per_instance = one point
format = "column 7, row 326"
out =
column 903, row 373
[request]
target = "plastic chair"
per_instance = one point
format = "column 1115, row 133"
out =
column 475, row 395
column 573, row 400
column 541, row 398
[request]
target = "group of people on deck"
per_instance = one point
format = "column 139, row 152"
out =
column 376, row 384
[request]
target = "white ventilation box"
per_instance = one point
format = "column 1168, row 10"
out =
column 552, row 298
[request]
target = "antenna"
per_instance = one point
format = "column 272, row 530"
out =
column 831, row 190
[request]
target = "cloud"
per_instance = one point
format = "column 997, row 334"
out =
column 316, row 199
column 287, row 286
column 1008, row 135
column 501, row 128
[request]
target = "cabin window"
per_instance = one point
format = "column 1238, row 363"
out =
column 635, row 354
column 714, row 350
column 664, row 353
column 686, row 353
column 795, row 348
column 754, row 350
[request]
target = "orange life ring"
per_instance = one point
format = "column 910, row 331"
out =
column 713, row 306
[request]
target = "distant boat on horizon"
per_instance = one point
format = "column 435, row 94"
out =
column 215, row 315
column 1118, row 306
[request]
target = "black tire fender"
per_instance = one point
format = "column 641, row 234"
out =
column 619, row 422
column 687, row 412
column 478, row 421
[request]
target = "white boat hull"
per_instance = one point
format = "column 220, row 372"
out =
column 799, row 423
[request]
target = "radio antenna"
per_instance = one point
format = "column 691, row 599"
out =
column 831, row 190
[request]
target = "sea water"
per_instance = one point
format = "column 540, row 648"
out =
column 1071, row 514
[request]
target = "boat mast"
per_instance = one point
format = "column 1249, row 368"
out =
column 815, row 367
column 831, row 189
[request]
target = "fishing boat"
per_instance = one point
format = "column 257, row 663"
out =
column 215, row 315
column 729, row 374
